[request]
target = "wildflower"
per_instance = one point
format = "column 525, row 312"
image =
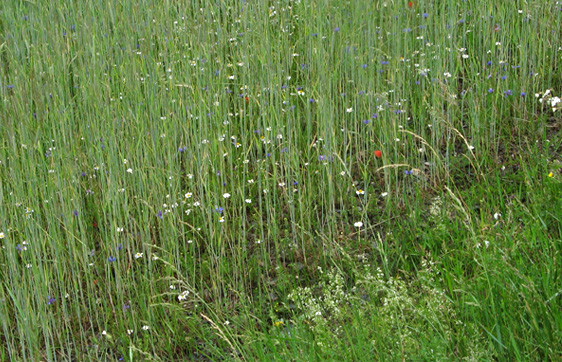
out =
column 378, row 154
column 129, row 331
column 138, row 255
column 550, row 174
column 384, row 194
column 226, row 195
column 358, row 224
column 51, row 300
column 188, row 195
column 2, row 236
column 248, row 201
column 349, row 110
column 497, row 215
column 145, row 328
column 111, row 259
column 360, row 192
column 130, row 170
column 183, row 295
column 221, row 219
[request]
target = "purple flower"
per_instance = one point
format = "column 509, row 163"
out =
column 51, row 300
column 490, row 90
column 75, row 212
column 366, row 121
column 507, row 92
column 523, row 94
column 159, row 214
column 337, row 29
column 111, row 259
column 219, row 210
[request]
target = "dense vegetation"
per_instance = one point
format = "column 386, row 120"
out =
column 280, row 180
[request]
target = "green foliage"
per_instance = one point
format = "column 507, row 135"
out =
column 198, row 180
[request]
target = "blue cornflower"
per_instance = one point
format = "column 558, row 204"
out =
column 490, row 90
column 51, row 300
column 159, row 214
column 111, row 259
column 507, row 92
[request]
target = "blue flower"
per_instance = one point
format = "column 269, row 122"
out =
column 111, row 259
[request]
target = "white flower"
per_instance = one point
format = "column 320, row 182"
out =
column 349, row 110
column 358, row 224
column 248, row 201
column 221, row 219
column 188, row 195
column 104, row 333
column 360, row 192
column 183, row 295
column 384, row 194
column 130, row 170
column 497, row 215
column 119, row 230
column 251, row 181
column 145, row 328
column 226, row 195
column 2, row 236
column 129, row 331
column 138, row 255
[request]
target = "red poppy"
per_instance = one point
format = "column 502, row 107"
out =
column 247, row 99
column 410, row 4
column 378, row 154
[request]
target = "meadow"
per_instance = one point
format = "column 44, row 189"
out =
column 280, row 180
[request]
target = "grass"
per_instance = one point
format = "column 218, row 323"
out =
column 198, row 181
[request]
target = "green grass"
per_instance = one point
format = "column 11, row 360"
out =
column 185, row 181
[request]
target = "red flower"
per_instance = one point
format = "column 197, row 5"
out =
column 247, row 99
column 378, row 154
column 410, row 4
